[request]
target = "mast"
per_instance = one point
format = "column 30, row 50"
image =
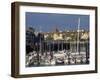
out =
column 78, row 34
column 40, row 38
column 62, row 45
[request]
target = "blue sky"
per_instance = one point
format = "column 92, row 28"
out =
column 49, row 21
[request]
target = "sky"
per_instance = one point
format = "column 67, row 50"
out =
column 48, row 22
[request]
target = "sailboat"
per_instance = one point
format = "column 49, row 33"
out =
column 78, row 35
column 78, row 40
column 75, row 55
column 79, row 54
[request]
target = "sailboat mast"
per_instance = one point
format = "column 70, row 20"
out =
column 40, row 37
column 78, row 35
